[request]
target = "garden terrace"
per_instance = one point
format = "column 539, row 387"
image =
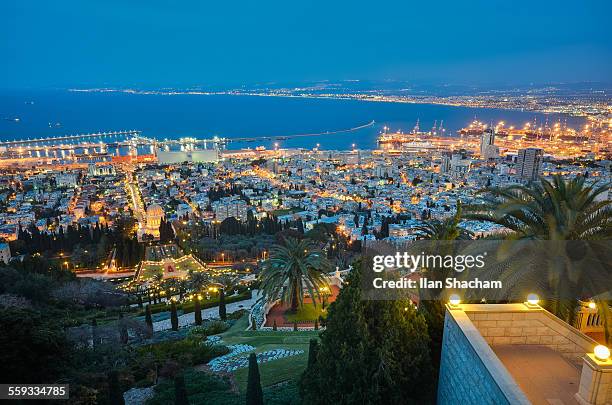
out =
column 305, row 316
column 183, row 266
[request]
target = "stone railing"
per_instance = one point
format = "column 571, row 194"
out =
column 515, row 324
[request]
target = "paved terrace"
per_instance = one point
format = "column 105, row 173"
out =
column 532, row 356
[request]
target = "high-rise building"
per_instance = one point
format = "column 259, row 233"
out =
column 488, row 150
column 529, row 163
column 228, row 207
column 457, row 164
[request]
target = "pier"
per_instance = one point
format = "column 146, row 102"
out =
column 133, row 139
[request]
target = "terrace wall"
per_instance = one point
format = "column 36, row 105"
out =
column 470, row 372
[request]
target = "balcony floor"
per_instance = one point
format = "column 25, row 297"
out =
column 544, row 375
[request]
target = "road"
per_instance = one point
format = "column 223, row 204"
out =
column 189, row 319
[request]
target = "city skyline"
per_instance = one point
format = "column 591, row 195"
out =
column 306, row 203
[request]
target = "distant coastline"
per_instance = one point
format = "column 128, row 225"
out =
column 498, row 102
column 240, row 114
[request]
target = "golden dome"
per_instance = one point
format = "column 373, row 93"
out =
column 155, row 210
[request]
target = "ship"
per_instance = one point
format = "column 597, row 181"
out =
column 476, row 128
column 414, row 140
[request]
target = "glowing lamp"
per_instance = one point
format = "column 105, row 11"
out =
column 533, row 300
column 592, row 305
column 601, row 352
column 454, row 300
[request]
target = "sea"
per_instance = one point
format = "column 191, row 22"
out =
column 28, row 114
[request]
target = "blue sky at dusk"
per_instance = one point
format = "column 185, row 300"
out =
column 159, row 43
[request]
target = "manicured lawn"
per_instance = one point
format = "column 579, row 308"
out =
column 150, row 270
column 308, row 312
column 189, row 264
column 182, row 268
column 207, row 389
column 275, row 371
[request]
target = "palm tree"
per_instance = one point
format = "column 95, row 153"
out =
column 557, row 210
column 549, row 210
column 293, row 267
column 197, row 280
column 228, row 282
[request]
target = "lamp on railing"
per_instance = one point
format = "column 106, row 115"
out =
column 601, row 353
column 453, row 301
column 532, row 301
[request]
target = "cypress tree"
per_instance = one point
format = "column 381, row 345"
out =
column 316, row 325
column 149, row 317
column 94, row 333
column 180, row 392
column 274, row 327
column 312, row 352
column 254, row 393
column 386, row 353
column 222, row 310
column 295, row 328
column 115, row 396
column 123, row 332
column 197, row 311
column 173, row 316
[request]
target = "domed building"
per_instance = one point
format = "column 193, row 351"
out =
column 155, row 213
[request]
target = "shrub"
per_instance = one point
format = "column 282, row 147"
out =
column 180, row 392
column 237, row 315
column 208, row 329
column 197, row 311
column 149, row 317
column 201, row 387
column 254, row 394
column 173, row 316
column 186, row 352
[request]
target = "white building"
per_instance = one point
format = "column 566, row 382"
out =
column 100, row 170
column 488, row 150
column 226, row 208
column 66, row 180
column 198, row 156
column 455, row 164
